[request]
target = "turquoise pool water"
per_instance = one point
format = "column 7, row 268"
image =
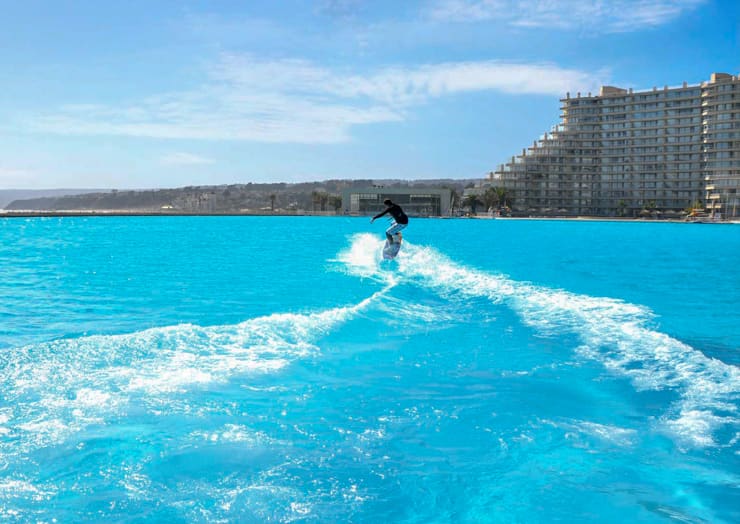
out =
column 273, row 369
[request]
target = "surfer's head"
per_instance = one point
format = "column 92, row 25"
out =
column 388, row 202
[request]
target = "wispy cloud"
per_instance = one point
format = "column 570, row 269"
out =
column 611, row 16
column 184, row 159
column 297, row 101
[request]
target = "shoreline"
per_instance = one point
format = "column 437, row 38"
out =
column 133, row 213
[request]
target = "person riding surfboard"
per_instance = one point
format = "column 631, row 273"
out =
column 399, row 221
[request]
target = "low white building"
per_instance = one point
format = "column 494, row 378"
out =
column 414, row 201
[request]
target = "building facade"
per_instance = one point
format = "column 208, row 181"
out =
column 415, row 202
column 625, row 153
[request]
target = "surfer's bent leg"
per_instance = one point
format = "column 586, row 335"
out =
column 393, row 229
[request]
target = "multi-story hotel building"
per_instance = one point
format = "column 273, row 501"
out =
column 625, row 153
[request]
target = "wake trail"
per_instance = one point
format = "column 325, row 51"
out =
column 611, row 331
column 54, row 389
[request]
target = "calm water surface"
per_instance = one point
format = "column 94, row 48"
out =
column 273, row 369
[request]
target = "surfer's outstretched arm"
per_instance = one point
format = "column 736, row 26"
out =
column 379, row 215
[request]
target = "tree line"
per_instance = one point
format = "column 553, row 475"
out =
column 251, row 197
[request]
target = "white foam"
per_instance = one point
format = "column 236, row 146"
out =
column 88, row 397
column 623, row 437
column 362, row 257
column 59, row 387
column 21, row 488
column 232, row 433
column 611, row 331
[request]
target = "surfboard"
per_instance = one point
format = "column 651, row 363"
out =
column 390, row 250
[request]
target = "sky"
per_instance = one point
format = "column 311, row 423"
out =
column 154, row 93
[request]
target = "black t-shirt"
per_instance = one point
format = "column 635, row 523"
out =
column 396, row 212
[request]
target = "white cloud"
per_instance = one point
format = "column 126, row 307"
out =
column 611, row 16
column 184, row 159
column 298, row 101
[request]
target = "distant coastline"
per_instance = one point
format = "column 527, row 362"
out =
column 270, row 199
column 249, row 198
column 259, row 213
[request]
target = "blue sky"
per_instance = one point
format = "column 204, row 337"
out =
column 149, row 93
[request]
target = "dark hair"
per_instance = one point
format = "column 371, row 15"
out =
column 387, row 202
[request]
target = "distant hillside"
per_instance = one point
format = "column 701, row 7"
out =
column 9, row 195
column 309, row 196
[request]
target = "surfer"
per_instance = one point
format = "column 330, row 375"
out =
column 400, row 220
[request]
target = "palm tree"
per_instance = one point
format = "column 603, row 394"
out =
column 472, row 202
column 491, row 198
column 314, row 199
column 621, row 205
column 335, row 201
column 319, row 198
column 503, row 196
